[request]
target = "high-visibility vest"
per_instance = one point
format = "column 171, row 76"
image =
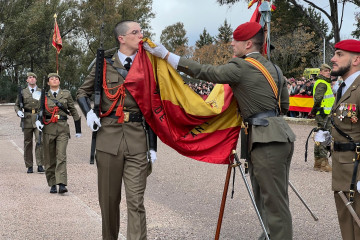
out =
column 328, row 99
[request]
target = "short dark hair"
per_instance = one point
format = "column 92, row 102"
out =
column 258, row 40
column 121, row 28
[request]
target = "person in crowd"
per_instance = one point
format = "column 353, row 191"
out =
column 26, row 107
column 56, row 132
column 323, row 102
column 121, row 143
column 346, row 135
column 272, row 141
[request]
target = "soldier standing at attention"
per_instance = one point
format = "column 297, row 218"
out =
column 346, row 135
column 30, row 97
column 121, row 147
column 56, row 132
column 323, row 102
column 261, row 99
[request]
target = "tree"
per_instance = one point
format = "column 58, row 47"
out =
column 205, row 39
column 174, row 36
column 356, row 33
column 334, row 18
column 225, row 33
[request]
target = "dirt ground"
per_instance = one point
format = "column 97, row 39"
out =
column 182, row 198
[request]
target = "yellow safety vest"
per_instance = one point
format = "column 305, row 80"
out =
column 328, row 99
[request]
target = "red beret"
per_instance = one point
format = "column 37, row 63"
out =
column 246, row 31
column 350, row 45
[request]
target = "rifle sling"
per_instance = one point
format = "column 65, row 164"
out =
column 58, row 104
column 122, row 72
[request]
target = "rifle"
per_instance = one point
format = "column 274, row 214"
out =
column 40, row 116
column 21, row 104
column 97, row 89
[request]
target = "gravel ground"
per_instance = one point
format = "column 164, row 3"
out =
column 182, row 198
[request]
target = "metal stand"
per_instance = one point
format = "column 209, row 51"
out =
column 238, row 164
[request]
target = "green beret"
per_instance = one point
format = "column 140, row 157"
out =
column 53, row 75
column 31, row 74
column 325, row 66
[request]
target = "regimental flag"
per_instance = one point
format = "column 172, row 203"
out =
column 205, row 130
column 57, row 41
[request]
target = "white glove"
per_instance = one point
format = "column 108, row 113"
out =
column 358, row 186
column 158, row 51
column 78, row 135
column 173, row 60
column 153, row 155
column 91, row 120
column 20, row 114
column 39, row 126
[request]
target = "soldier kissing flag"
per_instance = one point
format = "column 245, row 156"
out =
column 205, row 130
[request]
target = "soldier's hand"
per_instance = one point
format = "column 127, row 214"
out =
column 39, row 126
column 20, row 114
column 93, row 121
column 153, row 155
column 161, row 52
column 78, row 135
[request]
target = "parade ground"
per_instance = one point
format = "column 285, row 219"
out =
column 182, row 198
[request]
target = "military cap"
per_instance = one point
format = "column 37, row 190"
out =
column 31, row 74
column 325, row 66
column 53, row 75
column 246, row 31
column 350, row 45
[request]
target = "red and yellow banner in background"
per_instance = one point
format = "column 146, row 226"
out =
column 205, row 130
column 301, row 103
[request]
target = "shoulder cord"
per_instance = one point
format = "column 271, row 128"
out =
column 120, row 94
column 53, row 111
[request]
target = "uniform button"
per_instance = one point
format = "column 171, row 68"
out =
column 186, row 66
column 124, row 108
column 334, row 114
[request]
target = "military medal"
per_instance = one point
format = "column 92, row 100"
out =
column 345, row 110
column 349, row 113
column 341, row 108
column 354, row 118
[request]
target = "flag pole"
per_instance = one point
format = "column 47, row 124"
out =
column 57, row 53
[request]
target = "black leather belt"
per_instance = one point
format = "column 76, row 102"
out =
column 344, row 147
column 59, row 117
column 30, row 110
column 258, row 119
column 129, row 116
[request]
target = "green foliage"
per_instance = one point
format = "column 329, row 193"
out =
column 26, row 29
column 174, row 36
column 205, row 39
column 225, row 33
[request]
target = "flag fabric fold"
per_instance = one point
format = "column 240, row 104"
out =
column 57, row 41
column 205, row 130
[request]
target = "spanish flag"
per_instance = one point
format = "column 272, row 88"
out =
column 205, row 130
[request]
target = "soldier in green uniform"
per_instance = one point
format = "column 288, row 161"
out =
column 56, row 132
column 30, row 98
column 346, row 135
column 121, row 147
column 323, row 102
column 271, row 141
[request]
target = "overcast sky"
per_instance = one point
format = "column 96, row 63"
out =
column 199, row 14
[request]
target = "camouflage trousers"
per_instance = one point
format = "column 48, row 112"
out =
column 321, row 151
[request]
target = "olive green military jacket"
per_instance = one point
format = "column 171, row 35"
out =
column 111, row 133
column 252, row 92
column 30, row 104
column 319, row 93
column 343, row 164
column 62, row 126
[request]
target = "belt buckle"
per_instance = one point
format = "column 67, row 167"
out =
column 126, row 116
column 57, row 116
column 32, row 111
column 357, row 149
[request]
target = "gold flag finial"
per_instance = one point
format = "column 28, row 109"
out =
column 55, row 16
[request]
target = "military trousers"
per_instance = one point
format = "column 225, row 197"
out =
column 55, row 158
column 112, row 170
column 28, row 147
column 349, row 228
column 320, row 151
column 269, row 173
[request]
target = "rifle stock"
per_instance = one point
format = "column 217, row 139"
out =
column 42, row 109
column 21, row 105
